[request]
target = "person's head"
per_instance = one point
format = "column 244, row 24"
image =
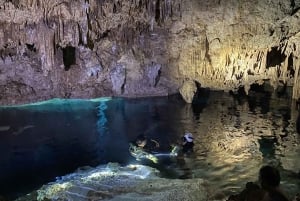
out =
column 188, row 137
column 269, row 177
column 141, row 140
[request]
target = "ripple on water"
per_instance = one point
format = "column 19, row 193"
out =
column 233, row 139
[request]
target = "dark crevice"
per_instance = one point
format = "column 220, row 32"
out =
column 257, row 87
column 200, row 100
column 123, row 87
column 14, row 2
column 157, row 78
column 141, row 5
column 114, row 8
column 282, row 90
column 31, row 47
column 207, row 56
column 295, row 10
column 104, row 34
column 249, row 72
column 90, row 42
column 80, row 35
column 271, row 31
column 69, row 57
column 293, row 3
column 157, row 11
column 290, row 65
column 275, row 57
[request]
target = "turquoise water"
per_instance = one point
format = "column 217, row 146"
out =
column 234, row 137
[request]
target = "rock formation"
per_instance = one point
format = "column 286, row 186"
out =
column 113, row 182
column 92, row 48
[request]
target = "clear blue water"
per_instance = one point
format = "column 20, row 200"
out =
column 234, row 136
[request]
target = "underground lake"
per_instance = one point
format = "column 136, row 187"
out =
column 234, row 136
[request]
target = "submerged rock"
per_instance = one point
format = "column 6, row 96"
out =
column 113, row 182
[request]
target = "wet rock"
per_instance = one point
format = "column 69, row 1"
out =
column 188, row 90
column 113, row 182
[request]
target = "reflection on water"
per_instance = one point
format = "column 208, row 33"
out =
column 234, row 137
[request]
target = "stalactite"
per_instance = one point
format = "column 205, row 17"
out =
column 167, row 7
column 284, row 70
column 296, row 87
column 263, row 61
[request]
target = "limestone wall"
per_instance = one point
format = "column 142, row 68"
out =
column 92, row 48
column 229, row 44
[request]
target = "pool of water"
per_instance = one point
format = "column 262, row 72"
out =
column 234, row 137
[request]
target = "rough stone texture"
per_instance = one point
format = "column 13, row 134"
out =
column 228, row 44
column 74, row 49
column 120, row 183
column 188, row 90
column 81, row 49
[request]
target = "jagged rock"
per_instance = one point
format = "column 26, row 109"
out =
column 226, row 45
column 153, row 73
column 223, row 45
column 188, row 90
column 117, row 76
column 113, row 182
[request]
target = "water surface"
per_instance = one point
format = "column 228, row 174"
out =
column 234, row 137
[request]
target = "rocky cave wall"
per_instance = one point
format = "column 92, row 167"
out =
column 232, row 44
column 93, row 48
column 83, row 49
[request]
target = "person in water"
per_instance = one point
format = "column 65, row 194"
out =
column 269, row 190
column 144, row 148
column 187, row 143
column 269, row 178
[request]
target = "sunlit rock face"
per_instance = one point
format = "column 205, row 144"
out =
column 90, row 48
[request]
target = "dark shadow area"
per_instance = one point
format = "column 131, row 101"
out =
column 157, row 11
column 200, row 100
column 157, row 78
column 31, row 47
column 267, row 147
column 281, row 90
column 290, row 67
column 298, row 124
column 42, row 142
column 69, row 57
column 259, row 96
column 239, row 96
column 275, row 57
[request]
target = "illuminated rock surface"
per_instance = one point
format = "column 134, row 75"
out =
column 85, row 49
column 113, row 182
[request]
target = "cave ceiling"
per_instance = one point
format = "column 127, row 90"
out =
column 134, row 48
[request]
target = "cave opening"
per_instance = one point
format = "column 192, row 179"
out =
column 69, row 57
column 275, row 57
